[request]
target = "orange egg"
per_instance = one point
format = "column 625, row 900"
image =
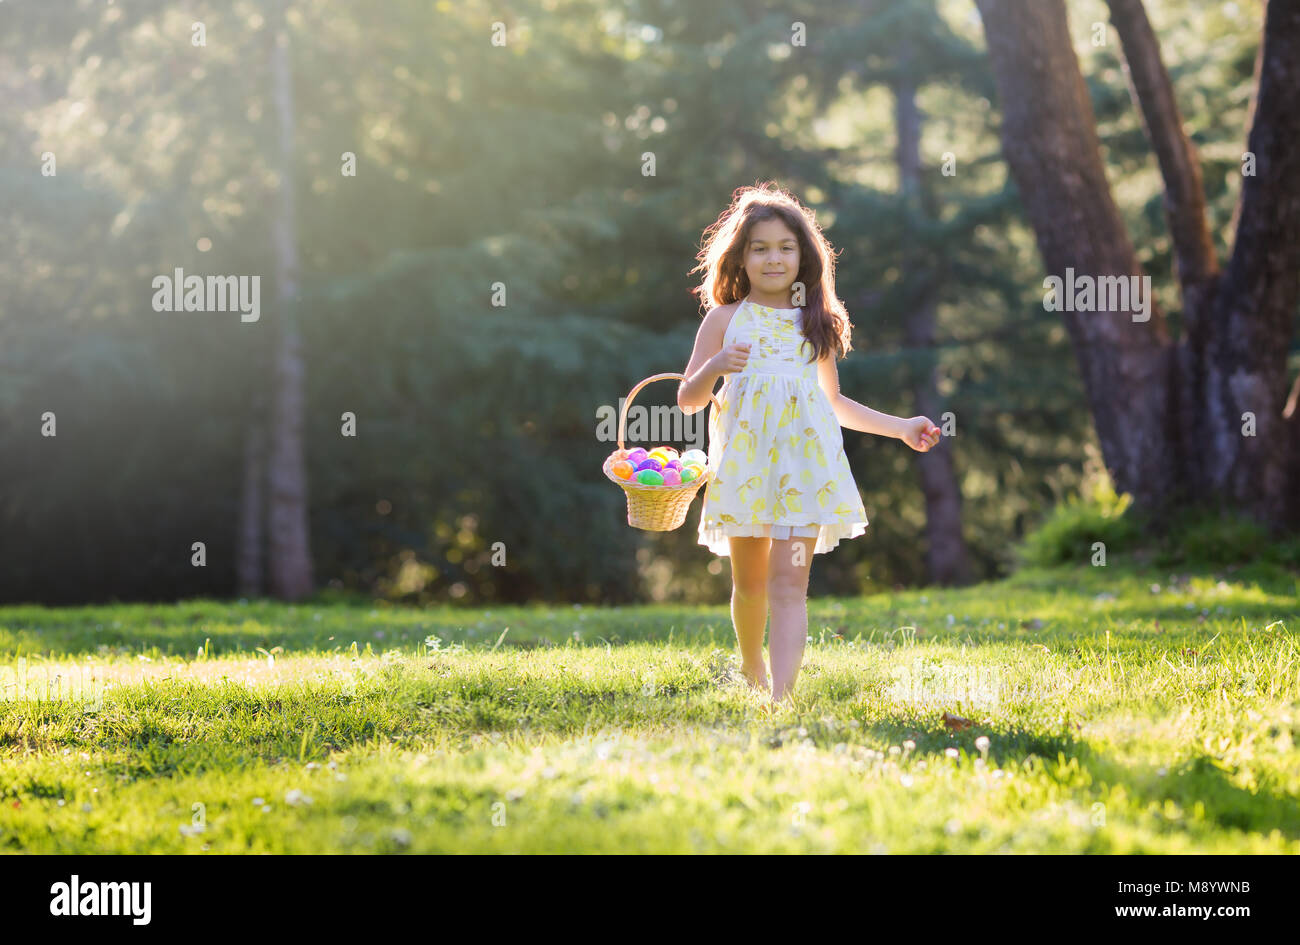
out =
column 622, row 469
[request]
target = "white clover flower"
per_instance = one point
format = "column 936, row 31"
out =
column 296, row 798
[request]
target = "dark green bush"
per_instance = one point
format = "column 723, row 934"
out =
column 1197, row 537
column 1213, row 537
column 1067, row 535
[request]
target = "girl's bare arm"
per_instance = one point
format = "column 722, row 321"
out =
column 693, row 393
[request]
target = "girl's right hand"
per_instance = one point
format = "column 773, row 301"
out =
column 732, row 358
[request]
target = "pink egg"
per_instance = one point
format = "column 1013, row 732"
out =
column 672, row 477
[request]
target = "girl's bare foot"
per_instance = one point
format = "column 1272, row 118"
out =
column 775, row 705
column 757, row 679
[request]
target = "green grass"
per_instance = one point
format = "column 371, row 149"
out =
column 1121, row 717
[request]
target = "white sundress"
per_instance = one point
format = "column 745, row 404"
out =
column 775, row 446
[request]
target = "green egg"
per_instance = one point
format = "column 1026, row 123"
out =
column 688, row 474
column 649, row 477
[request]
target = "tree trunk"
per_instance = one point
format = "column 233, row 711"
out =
column 248, row 561
column 1255, row 305
column 1184, row 199
column 1238, row 324
column 290, row 551
column 947, row 558
column 1168, row 415
column 1050, row 141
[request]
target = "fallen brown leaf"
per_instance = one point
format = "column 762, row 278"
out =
column 956, row 721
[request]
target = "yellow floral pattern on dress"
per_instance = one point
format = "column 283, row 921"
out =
column 772, row 441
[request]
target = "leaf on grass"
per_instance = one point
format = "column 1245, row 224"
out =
column 956, row 721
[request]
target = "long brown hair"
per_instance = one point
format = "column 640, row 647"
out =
column 826, row 323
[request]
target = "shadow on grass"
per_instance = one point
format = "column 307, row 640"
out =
column 1202, row 780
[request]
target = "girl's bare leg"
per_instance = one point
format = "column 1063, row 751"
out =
column 749, row 604
column 787, row 590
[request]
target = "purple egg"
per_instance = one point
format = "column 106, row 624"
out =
column 636, row 456
column 671, row 476
column 674, row 464
column 650, row 463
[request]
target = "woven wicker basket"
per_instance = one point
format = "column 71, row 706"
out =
column 654, row 508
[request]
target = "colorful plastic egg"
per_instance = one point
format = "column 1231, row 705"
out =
column 699, row 470
column 650, row 463
column 635, row 456
column 694, row 455
column 623, row 469
column 673, row 464
column 688, row 474
column 648, row 477
column 671, row 477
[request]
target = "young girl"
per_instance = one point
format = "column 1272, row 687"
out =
column 782, row 489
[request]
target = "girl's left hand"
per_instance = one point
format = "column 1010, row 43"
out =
column 920, row 434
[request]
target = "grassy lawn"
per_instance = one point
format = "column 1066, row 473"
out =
column 1110, row 711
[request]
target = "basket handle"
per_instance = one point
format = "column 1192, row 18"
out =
column 622, row 414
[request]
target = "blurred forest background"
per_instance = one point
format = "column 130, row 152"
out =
column 522, row 165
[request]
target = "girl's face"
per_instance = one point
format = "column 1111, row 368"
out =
column 772, row 258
